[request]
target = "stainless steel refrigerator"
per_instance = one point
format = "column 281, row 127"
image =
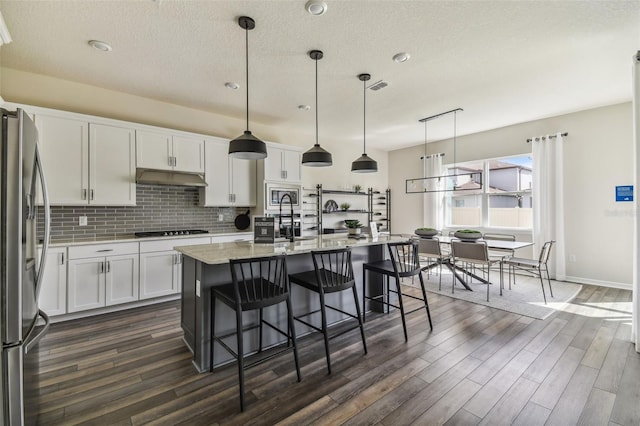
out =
column 21, row 176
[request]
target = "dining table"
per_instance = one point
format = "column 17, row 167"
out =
column 491, row 244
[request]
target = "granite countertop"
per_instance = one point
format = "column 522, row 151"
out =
column 133, row 238
column 219, row 253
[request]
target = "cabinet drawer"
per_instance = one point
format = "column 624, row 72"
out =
column 99, row 250
column 165, row 245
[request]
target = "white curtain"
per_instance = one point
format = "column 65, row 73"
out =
column 635, row 328
column 433, row 201
column 548, row 206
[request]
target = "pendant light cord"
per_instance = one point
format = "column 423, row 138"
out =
column 246, row 50
column 364, row 116
column 455, row 114
column 316, row 101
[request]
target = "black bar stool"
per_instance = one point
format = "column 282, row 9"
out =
column 333, row 272
column 404, row 262
column 257, row 284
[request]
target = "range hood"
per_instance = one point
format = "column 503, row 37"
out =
column 168, row 177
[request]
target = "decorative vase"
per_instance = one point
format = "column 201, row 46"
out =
column 468, row 236
column 355, row 231
column 430, row 233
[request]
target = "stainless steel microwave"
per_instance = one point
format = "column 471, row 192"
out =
column 274, row 193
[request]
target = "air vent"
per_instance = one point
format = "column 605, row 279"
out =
column 378, row 85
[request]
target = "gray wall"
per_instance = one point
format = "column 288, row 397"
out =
column 158, row 208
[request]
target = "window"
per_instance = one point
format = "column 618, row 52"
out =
column 503, row 200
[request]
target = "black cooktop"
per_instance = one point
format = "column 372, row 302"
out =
column 170, row 233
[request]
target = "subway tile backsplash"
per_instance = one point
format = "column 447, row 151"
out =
column 158, row 208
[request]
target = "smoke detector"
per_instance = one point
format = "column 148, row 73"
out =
column 316, row 7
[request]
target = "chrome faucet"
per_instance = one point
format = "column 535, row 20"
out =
column 291, row 229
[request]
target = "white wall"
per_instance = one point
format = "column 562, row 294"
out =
column 46, row 91
column 598, row 156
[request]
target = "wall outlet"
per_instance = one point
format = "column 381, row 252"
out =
column 572, row 258
column 220, row 217
column 82, row 221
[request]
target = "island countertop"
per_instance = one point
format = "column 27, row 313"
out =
column 219, row 253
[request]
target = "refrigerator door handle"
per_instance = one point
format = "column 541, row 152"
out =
column 32, row 339
column 47, row 223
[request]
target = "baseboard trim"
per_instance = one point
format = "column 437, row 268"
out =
column 612, row 284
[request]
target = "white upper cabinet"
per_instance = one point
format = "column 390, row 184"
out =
column 87, row 163
column 112, row 167
column 231, row 181
column 282, row 164
column 164, row 151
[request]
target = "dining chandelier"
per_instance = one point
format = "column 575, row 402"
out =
column 445, row 182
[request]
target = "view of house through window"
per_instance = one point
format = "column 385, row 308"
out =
column 498, row 197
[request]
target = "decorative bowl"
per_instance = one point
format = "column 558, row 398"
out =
column 426, row 232
column 468, row 235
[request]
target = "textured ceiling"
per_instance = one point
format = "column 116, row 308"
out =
column 504, row 62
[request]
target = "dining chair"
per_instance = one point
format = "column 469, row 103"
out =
column 474, row 254
column 535, row 266
column 499, row 253
column 430, row 249
column 332, row 273
column 403, row 262
column 257, row 283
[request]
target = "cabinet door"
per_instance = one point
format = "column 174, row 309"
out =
column 64, row 147
column 291, row 161
column 188, row 154
column 121, row 279
column 217, row 174
column 243, row 182
column 86, row 284
column 273, row 164
column 53, row 292
column 153, row 150
column 158, row 274
column 112, row 165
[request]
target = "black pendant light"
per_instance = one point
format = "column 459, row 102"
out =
column 316, row 156
column 364, row 164
column 247, row 146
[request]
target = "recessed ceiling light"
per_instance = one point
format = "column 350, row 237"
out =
column 100, row 45
column 401, row 57
column 316, row 7
column 231, row 85
column 304, row 107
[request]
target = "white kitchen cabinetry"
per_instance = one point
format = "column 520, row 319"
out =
column 53, row 291
column 164, row 151
column 282, row 164
column 161, row 266
column 102, row 275
column 87, row 163
column 231, row 181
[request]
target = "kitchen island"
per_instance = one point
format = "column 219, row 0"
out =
column 207, row 265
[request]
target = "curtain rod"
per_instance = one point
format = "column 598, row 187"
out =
column 541, row 138
column 440, row 154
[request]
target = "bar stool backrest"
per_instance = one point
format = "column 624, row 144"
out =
column 333, row 267
column 470, row 251
column 259, row 279
column 404, row 256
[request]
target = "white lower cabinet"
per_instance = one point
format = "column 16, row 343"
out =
column 102, row 275
column 161, row 266
column 53, row 290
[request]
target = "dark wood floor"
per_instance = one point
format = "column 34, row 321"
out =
column 478, row 366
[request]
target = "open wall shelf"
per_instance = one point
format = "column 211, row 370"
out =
column 378, row 209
